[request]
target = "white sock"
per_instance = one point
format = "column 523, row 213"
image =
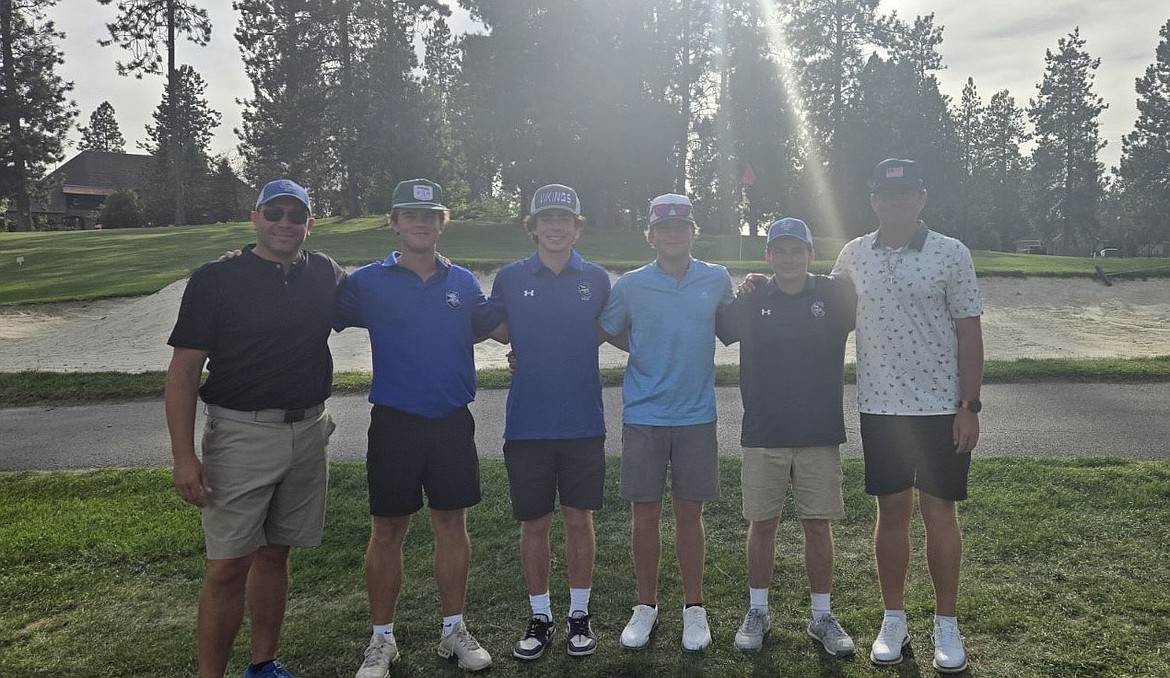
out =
column 384, row 631
column 820, row 605
column 940, row 619
column 759, row 599
column 897, row 614
column 541, row 605
column 449, row 624
column 579, row 600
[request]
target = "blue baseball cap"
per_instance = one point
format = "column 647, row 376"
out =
column 789, row 227
column 282, row 187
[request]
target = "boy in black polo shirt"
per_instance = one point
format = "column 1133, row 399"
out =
column 792, row 330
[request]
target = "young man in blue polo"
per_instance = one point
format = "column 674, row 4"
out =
column 554, row 436
column 664, row 313
column 791, row 330
column 423, row 314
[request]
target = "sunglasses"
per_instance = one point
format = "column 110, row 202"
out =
column 665, row 210
column 295, row 215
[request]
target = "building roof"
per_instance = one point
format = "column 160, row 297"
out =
column 98, row 173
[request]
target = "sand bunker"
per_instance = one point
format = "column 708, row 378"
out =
column 1024, row 318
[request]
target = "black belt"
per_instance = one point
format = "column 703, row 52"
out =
column 267, row 416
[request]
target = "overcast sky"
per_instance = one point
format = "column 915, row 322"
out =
column 1000, row 43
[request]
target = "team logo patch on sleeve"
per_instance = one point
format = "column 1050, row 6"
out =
column 585, row 291
column 453, row 299
column 818, row 309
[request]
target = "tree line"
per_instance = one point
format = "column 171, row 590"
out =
column 754, row 109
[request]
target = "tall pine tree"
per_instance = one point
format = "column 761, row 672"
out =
column 143, row 28
column 1145, row 152
column 102, row 133
column 180, row 136
column 1066, row 171
column 35, row 115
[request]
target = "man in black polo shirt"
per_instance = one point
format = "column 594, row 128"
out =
column 260, row 321
column 792, row 329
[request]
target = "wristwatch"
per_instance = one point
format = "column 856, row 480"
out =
column 972, row 406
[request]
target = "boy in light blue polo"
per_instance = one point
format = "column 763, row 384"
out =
column 664, row 313
column 554, row 438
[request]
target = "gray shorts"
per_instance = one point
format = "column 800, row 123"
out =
column 690, row 452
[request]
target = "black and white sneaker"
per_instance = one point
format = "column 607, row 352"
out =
column 536, row 638
column 581, row 641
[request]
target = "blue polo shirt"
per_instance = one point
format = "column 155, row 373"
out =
column 421, row 333
column 552, row 321
column 670, row 376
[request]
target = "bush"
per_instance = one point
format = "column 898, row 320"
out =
column 121, row 210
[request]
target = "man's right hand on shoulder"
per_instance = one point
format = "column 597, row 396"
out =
column 749, row 283
column 190, row 481
column 230, row 254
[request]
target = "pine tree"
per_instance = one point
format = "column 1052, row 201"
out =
column 286, row 123
column 35, row 115
column 142, row 28
column 1002, row 167
column 181, row 133
column 828, row 41
column 1066, row 172
column 102, row 133
column 1145, row 152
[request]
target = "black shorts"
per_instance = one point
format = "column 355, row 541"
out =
column 407, row 454
column 539, row 469
column 904, row 452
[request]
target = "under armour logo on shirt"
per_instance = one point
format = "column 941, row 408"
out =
column 765, row 311
column 530, row 293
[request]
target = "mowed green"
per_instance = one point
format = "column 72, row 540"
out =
column 83, row 265
column 1065, row 571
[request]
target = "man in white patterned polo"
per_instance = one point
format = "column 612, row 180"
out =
column 919, row 372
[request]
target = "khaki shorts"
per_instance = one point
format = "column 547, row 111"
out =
column 814, row 473
column 690, row 452
column 268, row 484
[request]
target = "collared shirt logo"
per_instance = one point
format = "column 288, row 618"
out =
column 453, row 299
column 818, row 309
column 765, row 311
column 530, row 293
column 585, row 291
column 424, row 192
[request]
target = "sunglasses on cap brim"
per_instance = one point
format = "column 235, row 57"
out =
column 666, row 210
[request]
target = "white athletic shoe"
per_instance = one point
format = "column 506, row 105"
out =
column 949, row 654
column 380, row 654
column 463, row 646
column 696, row 633
column 891, row 641
column 636, row 635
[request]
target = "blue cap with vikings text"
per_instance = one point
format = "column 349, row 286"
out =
column 418, row 194
column 555, row 197
column 280, row 188
column 897, row 172
column 789, row 227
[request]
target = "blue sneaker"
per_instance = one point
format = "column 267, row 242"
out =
column 273, row 670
